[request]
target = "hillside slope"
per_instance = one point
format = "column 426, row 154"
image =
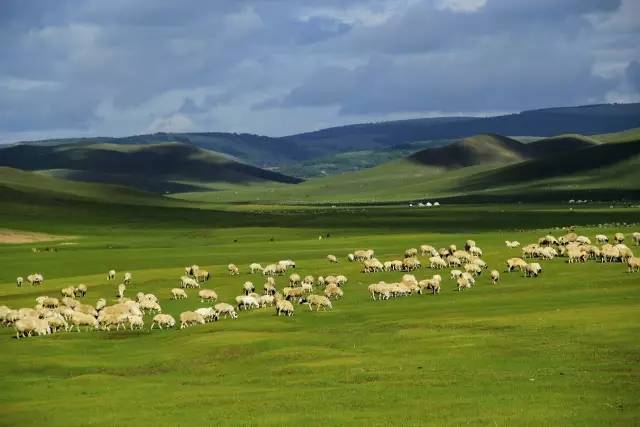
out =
column 153, row 167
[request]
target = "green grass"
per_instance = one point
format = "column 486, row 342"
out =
column 558, row 350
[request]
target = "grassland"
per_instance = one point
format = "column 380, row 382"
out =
column 558, row 350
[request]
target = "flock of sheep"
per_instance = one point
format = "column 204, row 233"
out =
column 51, row 314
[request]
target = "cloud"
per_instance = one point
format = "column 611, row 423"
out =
column 81, row 67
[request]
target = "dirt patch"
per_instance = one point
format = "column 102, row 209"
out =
column 17, row 236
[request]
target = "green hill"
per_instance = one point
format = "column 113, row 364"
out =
column 163, row 167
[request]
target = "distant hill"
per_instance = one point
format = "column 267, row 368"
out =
column 265, row 151
column 161, row 167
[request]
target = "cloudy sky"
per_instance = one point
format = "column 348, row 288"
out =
column 276, row 67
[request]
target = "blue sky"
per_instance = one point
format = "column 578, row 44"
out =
column 276, row 67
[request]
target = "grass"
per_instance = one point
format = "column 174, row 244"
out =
column 558, row 350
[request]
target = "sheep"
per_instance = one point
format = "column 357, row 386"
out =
column 443, row 252
column 512, row 244
column 269, row 270
column 610, row 253
column 332, row 259
column 294, row 279
column 68, row 292
column 248, row 287
column 269, row 288
column 474, row 250
column 455, row 274
column 163, row 320
column 463, row 284
column 35, row 279
column 178, row 293
column 80, row 290
column 57, row 322
column 150, row 306
column 477, row 261
column 127, row 278
column 192, row 270
column 372, row 265
column 318, row 301
column 189, row 318
column 19, row 281
column 625, row 252
column 202, row 275
column 100, row 304
column 515, row 263
column 432, row 284
column 469, row 278
column 333, row 291
column 188, row 282
column 363, row 255
column 633, row 263
column 532, row 270
column 453, row 261
column 584, row 240
column 289, row 292
column 266, row 300
column 284, row 307
column 121, row 289
column 111, row 275
column 576, row 255
column 287, row 263
column 135, row 322
column 208, row 314
column 108, row 319
column 428, row 250
column 601, row 238
column 411, row 253
column 341, row 280
column 25, row 327
column 50, row 303
column 86, row 309
column 437, row 262
column 351, row 257
column 410, row 264
column 567, row 238
column 308, row 280
column 618, row 237
column 255, row 267
column 70, row 302
column 636, row 238
column 225, row 309
column 246, row 302
column 83, row 319
column 379, row 290
column 495, row 276
column 473, row 269
column 529, row 250
column 388, row 265
column 233, row 270
column 321, row 281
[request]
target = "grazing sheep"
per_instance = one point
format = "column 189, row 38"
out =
column 515, row 263
column 50, row 303
column 269, row 288
column 351, row 257
column 19, row 281
column 150, row 306
column 246, row 302
column 308, row 280
column 135, row 322
column 177, row 293
column 410, row 264
column 610, row 253
column 100, row 304
column 80, row 290
column 287, row 263
column 453, row 261
column 584, row 240
column 266, row 300
column 495, row 276
column 625, row 252
column 202, row 275
column 372, row 265
column 165, row 320
column 57, row 322
column 463, row 284
column 70, row 302
column 437, row 262
column 121, row 289
column 86, row 309
column 618, row 237
column 512, row 244
column 567, row 238
column 248, row 288
column 188, row 282
column 428, row 250
column 289, row 292
column 332, row 259
column 68, row 292
column 35, row 279
column 294, row 279
column 270, row 270
column 532, row 270
column 208, row 314
column 317, row 301
column 633, row 263
column 284, row 307
column 601, row 238
column 341, row 280
column 233, row 270
column 83, row 319
column 411, row 253
column 529, row 251
column 333, row 291
column 455, row 274
column 190, row 318
column 192, row 270
column 255, row 267
column 473, row 269
column 363, row 255
column 24, row 327
column 127, row 278
column 225, row 309
column 111, row 275
column 107, row 319
column 475, row 251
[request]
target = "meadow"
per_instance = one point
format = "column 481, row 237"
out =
column 560, row 349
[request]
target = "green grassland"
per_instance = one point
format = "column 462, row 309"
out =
column 561, row 349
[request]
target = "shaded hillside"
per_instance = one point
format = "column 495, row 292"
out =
column 266, row 151
column 150, row 167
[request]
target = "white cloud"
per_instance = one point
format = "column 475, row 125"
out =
column 461, row 5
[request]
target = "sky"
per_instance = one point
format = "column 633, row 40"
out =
column 279, row 67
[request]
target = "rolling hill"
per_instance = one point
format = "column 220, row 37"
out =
column 162, row 167
column 282, row 151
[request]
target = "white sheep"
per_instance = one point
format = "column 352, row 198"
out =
column 411, row 253
column 100, row 304
column 165, row 320
column 428, row 250
column 437, row 262
column 601, row 238
column 515, row 263
column 255, row 267
column 35, row 279
column 225, row 309
column 68, row 292
column 178, row 293
column 333, row 291
column 246, row 302
column 636, row 238
column 332, row 258
column 512, row 244
column 317, row 301
column 495, row 276
column 188, row 282
column 294, row 279
column 284, row 307
column 532, row 270
column 80, row 290
column 111, row 275
column 202, row 275
column 83, row 319
column 633, row 263
column 233, row 270
column 618, row 237
column 19, row 281
column 266, row 300
column 208, row 314
column 135, row 322
column 127, row 278
column 121, row 289
column 149, row 306
column 351, row 257
column 190, row 318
